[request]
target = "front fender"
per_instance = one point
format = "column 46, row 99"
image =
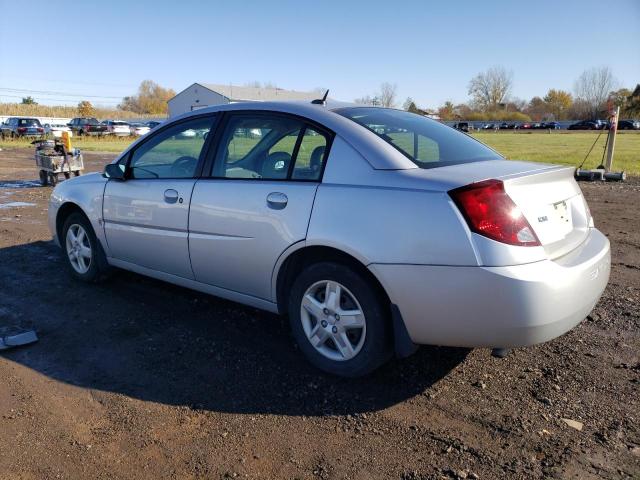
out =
column 86, row 192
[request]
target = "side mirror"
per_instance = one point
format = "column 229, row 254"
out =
column 115, row 171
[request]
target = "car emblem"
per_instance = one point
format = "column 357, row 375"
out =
column 543, row 219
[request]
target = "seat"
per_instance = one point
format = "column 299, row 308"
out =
column 276, row 165
column 315, row 162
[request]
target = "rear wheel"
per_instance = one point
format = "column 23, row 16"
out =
column 43, row 178
column 339, row 320
column 53, row 179
column 85, row 258
column 67, row 175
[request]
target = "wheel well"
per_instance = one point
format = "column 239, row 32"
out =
column 300, row 259
column 63, row 213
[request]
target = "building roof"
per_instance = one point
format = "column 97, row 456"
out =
column 237, row 93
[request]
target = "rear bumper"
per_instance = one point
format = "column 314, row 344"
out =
column 498, row 306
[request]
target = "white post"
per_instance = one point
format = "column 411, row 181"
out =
column 611, row 144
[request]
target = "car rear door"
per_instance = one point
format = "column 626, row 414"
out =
column 257, row 201
column 146, row 216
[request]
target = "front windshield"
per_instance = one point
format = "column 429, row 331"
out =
column 425, row 142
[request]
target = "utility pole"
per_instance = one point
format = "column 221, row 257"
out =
column 611, row 142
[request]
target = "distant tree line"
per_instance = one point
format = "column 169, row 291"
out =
column 594, row 92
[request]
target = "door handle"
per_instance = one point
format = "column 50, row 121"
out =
column 277, row 200
column 171, row 196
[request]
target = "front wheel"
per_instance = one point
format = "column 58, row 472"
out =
column 339, row 320
column 85, row 257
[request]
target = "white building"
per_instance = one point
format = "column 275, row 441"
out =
column 200, row 95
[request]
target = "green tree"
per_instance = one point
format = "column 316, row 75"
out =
column 633, row 102
column 559, row 103
column 28, row 101
column 85, row 109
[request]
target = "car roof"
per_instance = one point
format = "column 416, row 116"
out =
column 380, row 154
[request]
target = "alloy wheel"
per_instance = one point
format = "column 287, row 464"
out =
column 78, row 248
column 333, row 320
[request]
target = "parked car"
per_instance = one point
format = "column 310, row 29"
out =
column 525, row 126
column 153, row 124
column 507, row 126
column 138, row 129
column 117, row 128
column 628, row 125
column 551, row 125
column 462, row 126
column 369, row 243
column 87, row 126
column 55, row 129
column 21, row 127
column 584, row 125
column 489, row 126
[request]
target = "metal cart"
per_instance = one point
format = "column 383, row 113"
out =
column 52, row 159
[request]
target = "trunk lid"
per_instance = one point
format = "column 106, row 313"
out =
column 554, row 206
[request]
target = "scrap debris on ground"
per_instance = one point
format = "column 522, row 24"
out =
column 135, row 378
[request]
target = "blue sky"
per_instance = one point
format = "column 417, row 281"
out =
column 429, row 49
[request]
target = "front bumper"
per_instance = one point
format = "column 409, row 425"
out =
column 506, row 307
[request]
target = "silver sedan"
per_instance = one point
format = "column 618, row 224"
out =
column 375, row 230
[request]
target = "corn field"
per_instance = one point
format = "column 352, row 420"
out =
column 18, row 109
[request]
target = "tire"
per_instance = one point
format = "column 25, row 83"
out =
column 93, row 267
column 53, row 179
column 44, row 180
column 76, row 173
column 370, row 346
column 67, row 175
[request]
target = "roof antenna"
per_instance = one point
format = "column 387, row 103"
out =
column 321, row 101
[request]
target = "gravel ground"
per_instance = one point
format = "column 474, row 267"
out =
column 135, row 378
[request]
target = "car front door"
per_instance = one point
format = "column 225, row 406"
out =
column 146, row 215
column 257, row 200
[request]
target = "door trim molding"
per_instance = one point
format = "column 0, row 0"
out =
column 195, row 285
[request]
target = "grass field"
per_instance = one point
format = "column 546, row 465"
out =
column 567, row 148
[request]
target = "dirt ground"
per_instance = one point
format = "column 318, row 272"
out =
column 135, row 378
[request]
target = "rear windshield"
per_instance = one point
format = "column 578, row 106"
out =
column 29, row 122
column 425, row 142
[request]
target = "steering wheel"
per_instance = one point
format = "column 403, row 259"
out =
column 183, row 167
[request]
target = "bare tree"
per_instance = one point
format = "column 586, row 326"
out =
column 388, row 94
column 491, row 88
column 367, row 100
column 593, row 87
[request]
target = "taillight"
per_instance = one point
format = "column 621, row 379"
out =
column 490, row 212
column 40, row 129
column 22, row 129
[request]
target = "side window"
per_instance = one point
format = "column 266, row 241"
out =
column 260, row 146
column 171, row 153
column 311, row 156
column 427, row 150
column 421, row 148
